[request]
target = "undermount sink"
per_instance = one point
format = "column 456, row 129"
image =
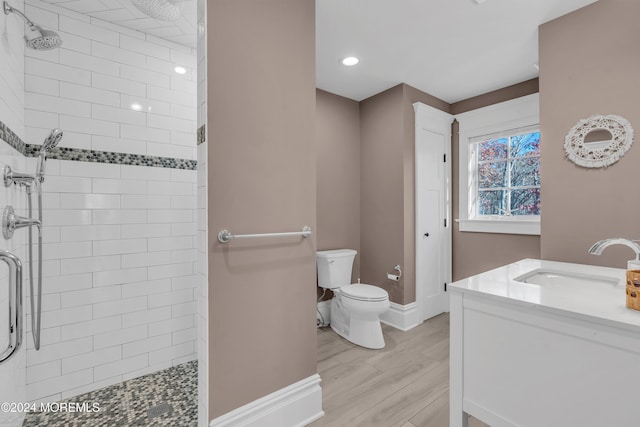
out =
column 547, row 277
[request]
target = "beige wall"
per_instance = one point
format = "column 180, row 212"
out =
column 261, row 123
column 474, row 253
column 338, row 174
column 382, row 192
column 589, row 65
column 387, row 201
column 387, row 187
column 505, row 94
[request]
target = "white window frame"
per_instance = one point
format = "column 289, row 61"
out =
column 503, row 117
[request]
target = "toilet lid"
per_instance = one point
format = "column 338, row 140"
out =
column 362, row 292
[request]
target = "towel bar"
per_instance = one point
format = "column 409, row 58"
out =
column 225, row 236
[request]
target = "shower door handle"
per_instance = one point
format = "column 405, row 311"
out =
column 15, row 304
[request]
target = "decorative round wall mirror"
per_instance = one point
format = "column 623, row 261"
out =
column 598, row 141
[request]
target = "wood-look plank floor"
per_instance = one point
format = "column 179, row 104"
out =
column 406, row 384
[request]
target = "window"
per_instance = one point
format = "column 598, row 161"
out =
column 507, row 174
column 500, row 168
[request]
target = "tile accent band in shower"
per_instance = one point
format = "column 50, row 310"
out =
column 8, row 136
column 77, row 154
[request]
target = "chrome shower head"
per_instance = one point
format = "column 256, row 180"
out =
column 52, row 140
column 39, row 39
column 164, row 10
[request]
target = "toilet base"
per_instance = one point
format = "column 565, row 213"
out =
column 364, row 331
column 366, row 334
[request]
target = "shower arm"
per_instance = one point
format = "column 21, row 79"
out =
column 8, row 9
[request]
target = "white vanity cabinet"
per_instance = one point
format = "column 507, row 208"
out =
column 536, row 356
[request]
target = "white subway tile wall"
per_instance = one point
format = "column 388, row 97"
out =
column 12, row 82
column 120, row 240
column 202, row 318
column 121, row 284
column 109, row 88
column 202, row 289
column 13, row 374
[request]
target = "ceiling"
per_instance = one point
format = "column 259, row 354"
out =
column 124, row 13
column 451, row 49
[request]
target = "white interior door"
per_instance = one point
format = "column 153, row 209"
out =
column 433, row 224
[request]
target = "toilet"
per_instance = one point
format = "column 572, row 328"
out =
column 355, row 308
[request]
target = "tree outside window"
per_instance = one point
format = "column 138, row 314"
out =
column 508, row 175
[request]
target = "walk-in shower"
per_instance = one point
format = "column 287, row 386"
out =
column 117, row 315
column 11, row 222
column 38, row 38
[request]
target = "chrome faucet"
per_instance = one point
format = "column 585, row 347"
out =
column 11, row 222
column 598, row 247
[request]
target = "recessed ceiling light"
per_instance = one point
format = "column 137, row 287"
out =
column 135, row 106
column 350, row 61
column 180, row 70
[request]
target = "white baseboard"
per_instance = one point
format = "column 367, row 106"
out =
column 296, row 405
column 403, row 317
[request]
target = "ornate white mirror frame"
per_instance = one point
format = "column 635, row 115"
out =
column 583, row 149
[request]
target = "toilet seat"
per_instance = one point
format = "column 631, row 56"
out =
column 361, row 292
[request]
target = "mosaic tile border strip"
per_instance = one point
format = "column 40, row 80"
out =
column 202, row 135
column 8, row 136
column 76, row 154
column 80, row 155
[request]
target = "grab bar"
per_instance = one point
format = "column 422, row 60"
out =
column 225, row 236
column 15, row 304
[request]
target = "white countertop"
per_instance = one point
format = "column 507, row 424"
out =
column 603, row 303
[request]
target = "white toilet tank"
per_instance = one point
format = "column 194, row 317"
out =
column 334, row 267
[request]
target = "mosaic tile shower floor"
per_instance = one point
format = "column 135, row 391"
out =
column 167, row 398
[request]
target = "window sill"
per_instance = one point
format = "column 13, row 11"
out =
column 503, row 226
